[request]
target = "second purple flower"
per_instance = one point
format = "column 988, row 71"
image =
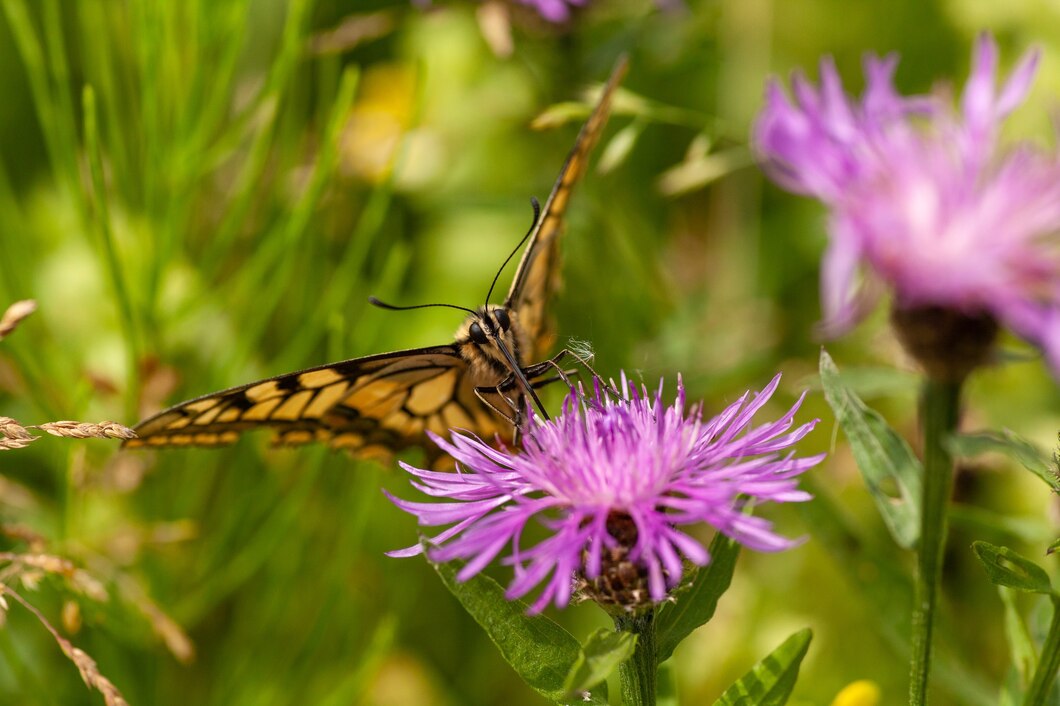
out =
column 925, row 200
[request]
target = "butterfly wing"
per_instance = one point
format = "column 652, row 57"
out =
column 370, row 406
column 537, row 277
column 377, row 404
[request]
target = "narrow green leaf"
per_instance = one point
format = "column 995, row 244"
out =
column 618, row 148
column 537, row 648
column 770, row 682
column 883, row 457
column 352, row 687
column 1011, row 445
column 1008, row 568
column 979, row 522
column 698, row 171
column 1011, row 691
column 111, row 262
column 870, row 381
column 1020, row 644
column 560, row 114
column 697, row 599
column 601, row 654
column 666, row 686
column 1053, row 547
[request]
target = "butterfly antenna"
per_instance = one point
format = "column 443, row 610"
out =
column 533, row 225
column 383, row 305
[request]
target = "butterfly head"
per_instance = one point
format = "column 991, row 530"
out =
column 490, row 338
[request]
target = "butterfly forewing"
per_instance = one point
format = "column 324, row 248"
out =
column 370, row 405
column 382, row 403
column 537, row 277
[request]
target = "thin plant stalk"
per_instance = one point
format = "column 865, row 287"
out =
column 638, row 675
column 940, row 401
column 1048, row 663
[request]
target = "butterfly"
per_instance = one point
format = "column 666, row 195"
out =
column 378, row 404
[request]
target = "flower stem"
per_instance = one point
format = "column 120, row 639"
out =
column 939, row 401
column 1048, row 663
column 638, row 674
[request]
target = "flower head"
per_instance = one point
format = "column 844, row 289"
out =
column 923, row 198
column 553, row 10
column 612, row 479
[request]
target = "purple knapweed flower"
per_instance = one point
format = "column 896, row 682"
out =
column 923, row 198
column 611, row 479
column 553, row 10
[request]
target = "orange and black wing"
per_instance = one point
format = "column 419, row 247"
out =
column 538, row 275
column 370, row 406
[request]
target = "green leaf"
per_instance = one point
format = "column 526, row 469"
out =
column 770, row 682
column 538, row 649
column 883, row 457
column 560, row 114
column 1053, row 547
column 602, row 653
column 979, row 522
column 666, row 686
column 618, row 148
column 870, row 381
column 1008, row 568
column 1020, row 644
column 696, row 599
column 1011, row 445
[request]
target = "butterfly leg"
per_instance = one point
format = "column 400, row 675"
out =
column 553, row 364
column 481, row 393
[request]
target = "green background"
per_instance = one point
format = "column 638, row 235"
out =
column 256, row 170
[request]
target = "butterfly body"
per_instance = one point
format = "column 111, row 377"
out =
column 382, row 403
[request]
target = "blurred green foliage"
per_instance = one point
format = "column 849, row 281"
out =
column 202, row 193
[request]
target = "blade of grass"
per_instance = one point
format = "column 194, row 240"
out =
column 345, row 284
column 65, row 124
column 32, row 54
column 107, row 252
column 108, row 74
column 266, row 109
column 272, row 263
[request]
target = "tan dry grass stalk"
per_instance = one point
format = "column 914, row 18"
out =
column 13, row 430
column 8, row 444
column 85, row 430
column 171, row 633
column 15, row 436
column 78, row 579
column 85, row 664
column 14, row 314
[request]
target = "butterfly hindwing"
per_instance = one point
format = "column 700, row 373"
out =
column 537, row 277
column 370, row 406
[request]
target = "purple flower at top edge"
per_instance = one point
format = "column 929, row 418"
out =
column 553, row 10
column 611, row 479
column 923, row 198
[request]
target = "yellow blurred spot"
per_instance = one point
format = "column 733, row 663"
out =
column 495, row 24
column 401, row 679
column 378, row 120
column 71, row 617
column 859, row 693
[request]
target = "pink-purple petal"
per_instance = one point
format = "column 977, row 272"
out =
column 658, row 465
